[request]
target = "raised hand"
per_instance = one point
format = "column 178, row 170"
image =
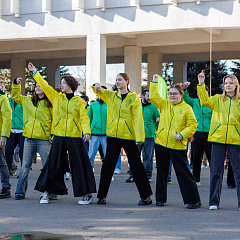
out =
column 18, row 80
column 155, row 77
column 201, row 77
column 31, row 67
column 97, row 88
column 186, row 85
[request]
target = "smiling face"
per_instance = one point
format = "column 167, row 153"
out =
column 121, row 83
column 229, row 86
column 64, row 86
column 38, row 90
column 174, row 96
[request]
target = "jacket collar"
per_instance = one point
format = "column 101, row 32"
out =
column 118, row 94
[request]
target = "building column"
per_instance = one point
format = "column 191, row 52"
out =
column 18, row 70
column 179, row 72
column 96, row 57
column 132, row 61
column 53, row 76
column 155, row 62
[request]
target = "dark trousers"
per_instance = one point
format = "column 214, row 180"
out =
column 14, row 140
column 114, row 146
column 230, row 177
column 217, row 170
column 51, row 178
column 199, row 145
column 185, row 178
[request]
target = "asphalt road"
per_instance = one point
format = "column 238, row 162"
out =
column 121, row 218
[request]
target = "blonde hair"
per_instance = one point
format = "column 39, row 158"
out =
column 235, row 82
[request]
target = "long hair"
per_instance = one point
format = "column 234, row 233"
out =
column 36, row 99
column 235, row 82
column 127, row 78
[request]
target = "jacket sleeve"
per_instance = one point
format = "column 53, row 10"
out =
column 48, row 90
column 84, row 119
column 156, row 116
column 105, row 95
column 191, row 125
column 138, row 121
column 187, row 98
column 205, row 100
column 6, row 117
column 154, row 95
column 16, row 90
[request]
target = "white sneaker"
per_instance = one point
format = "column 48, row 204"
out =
column 117, row 171
column 112, row 180
column 44, row 198
column 198, row 184
column 87, row 199
column 68, row 176
column 213, row 207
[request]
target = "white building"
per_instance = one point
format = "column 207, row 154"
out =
column 95, row 32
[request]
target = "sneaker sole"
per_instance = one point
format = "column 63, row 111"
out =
column 213, row 208
column 44, row 202
column 84, row 202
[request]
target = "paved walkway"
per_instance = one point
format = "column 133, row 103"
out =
column 122, row 218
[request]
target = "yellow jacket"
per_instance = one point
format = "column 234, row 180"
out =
column 36, row 120
column 124, row 118
column 225, row 123
column 174, row 119
column 69, row 116
column 5, row 116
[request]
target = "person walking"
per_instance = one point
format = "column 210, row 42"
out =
column 69, row 121
column 5, row 129
column 37, row 118
column 200, row 143
column 177, row 124
column 224, row 134
column 125, row 128
column 150, row 116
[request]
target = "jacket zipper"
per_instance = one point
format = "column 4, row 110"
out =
column 228, row 119
column 118, row 118
column 170, row 126
column 34, row 120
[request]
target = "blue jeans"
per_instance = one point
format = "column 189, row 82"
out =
column 118, row 165
column 147, row 149
column 94, row 143
column 217, row 169
column 31, row 147
column 5, row 176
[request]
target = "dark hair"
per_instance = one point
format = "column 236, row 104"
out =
column 85, row 97
column 178, row 87
column 36, row 99
column 126, row 77
column 57, row 90
column 104, row 87
column 71, row 82
column 144, row 92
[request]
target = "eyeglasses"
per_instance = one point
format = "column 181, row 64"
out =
column 173, row 94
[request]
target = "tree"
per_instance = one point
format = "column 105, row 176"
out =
column 236, row 70
column 219, row 70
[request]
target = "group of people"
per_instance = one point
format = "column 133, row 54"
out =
column 57, row 124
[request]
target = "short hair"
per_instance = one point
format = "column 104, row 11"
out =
column 85, row 98
column 71, row 82
column 144, row 92
column 178, row 87
column 104, row 87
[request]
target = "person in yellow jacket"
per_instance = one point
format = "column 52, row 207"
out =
column 5, row 129
column 224, row 133
column 177, row 124
column 125, row 128
column 37, row 117
column 69, row 122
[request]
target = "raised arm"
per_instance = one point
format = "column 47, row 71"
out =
column 48, row 90
column 154, row 95
column 186, row 97
column 104, row 94
column 16, row 90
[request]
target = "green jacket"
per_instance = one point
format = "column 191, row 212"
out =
column 17, row 115
column 202, row 114
column 5, row 116
column 97, row 114
column 150, row 115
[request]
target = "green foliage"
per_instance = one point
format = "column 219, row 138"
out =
column 236, row 70
column 218, row 72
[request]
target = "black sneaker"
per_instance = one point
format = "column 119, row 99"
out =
column 160, row 204
column 146, row 201
column 19, row 197
column 129, row 180
column 101, row 201
column 194, row 205
column 5, row 193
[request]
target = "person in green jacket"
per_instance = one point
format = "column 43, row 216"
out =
column 224, row 133
column 200, row 142
column 16, row 137
column 150, row 116
column 5, row 128
column 97, row 114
